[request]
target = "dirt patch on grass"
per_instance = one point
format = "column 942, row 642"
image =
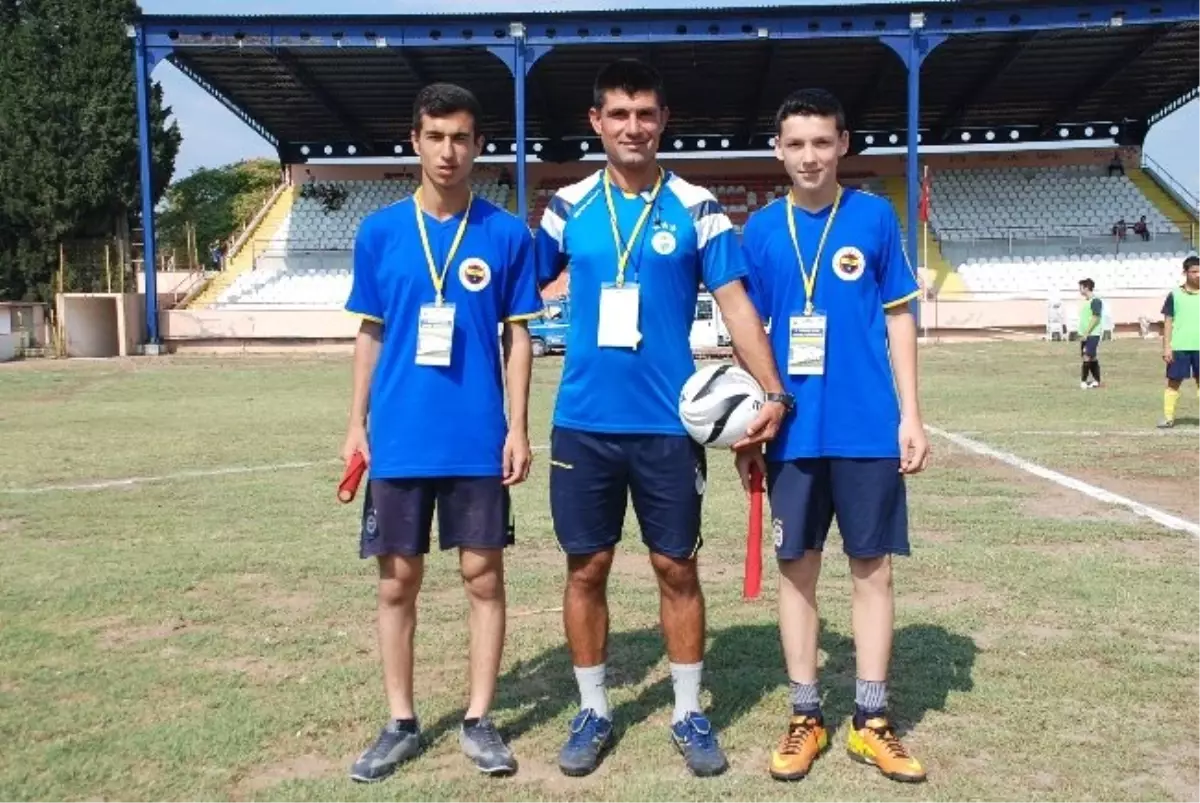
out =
column 301, row 768
column 256, row 668
column 116, row 632
column 8, row 526
column 1153, row 552
column 949, row 595
column 1173, row 495
column 1178, row 779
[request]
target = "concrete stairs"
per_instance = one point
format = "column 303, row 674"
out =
column 1165, row 203
column 242, row 260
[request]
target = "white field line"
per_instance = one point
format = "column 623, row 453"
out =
column 226, row 471
column 1089, row 433
column 1099, row 494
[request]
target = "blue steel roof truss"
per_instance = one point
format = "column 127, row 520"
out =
column 767, row 63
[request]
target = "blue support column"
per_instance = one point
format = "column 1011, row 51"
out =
column 912, row 50
column 519, row 74
column 142, row 68
column 520, row 59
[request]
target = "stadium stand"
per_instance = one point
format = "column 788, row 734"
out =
column 306, row 263
column 994, row 231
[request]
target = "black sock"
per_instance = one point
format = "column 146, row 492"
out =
column 815, row 713
column 861, row 715
column 470, row 722
column 1084, row 370
column 404, row 725
column 1096, row 369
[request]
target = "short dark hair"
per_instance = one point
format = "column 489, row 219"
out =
column 1191, row 262
column 1087, row 283
column 811, row 103
column 630, row 76
column 443, row 100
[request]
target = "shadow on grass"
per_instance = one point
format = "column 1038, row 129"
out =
column 744, row 664
column 542, row 688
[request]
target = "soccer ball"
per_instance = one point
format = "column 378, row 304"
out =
column 717, row 404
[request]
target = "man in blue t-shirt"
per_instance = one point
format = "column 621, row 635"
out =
column 435, row 276
column 640, row 240
column 828, row 270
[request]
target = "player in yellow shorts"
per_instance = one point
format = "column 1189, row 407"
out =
column 1181, row 338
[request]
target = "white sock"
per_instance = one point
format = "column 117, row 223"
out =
column 592, row 693
column 686, row 678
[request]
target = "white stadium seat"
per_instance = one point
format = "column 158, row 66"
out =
column 307, row 264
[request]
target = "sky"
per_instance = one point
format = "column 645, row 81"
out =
column 212, row 136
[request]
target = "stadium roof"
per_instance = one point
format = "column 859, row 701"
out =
column 1012, row 70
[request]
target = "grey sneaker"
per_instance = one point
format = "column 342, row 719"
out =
column 394, row 746
column 484, row 746
column 1166, row 423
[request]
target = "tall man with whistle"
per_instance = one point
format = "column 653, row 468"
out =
column 435, row 277
column 640, row 240
column 828, row 269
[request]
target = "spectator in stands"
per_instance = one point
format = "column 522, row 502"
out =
column 1142, row 229
column 638, row 252
column 436, row 276
column 1090, row 330
column 1116, row 165
column 821, row 260
column 1181, row 338
column 1120, row 229
column 216, row 254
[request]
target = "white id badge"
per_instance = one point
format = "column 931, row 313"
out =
column 619, row 317
column 806, row 345
column 435, row 335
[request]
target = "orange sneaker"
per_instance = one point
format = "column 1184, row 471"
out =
column 876, row 743
column 806, row 738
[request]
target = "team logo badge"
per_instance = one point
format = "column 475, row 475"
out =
column 663, row 242
column 777, row 532
column 849, row 263
column 474, row 274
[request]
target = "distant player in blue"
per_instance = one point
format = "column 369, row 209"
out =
column 435, row 277
column 828, row 270
column 640, row 240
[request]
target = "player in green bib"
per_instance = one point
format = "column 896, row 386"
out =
column 1091, row 312
column 1181, row 338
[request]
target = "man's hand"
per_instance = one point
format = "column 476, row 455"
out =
column 356, row 441
column 743, row 460
column 914, row 446
column 1168, row 355
column 518, row 459
column 763, row 428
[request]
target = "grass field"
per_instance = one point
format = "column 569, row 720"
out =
column 201, row 636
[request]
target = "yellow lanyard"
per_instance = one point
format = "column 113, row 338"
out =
column 439, row 282
column 623, row 256
column 810, row 279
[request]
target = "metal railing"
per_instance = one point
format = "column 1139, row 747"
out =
column 1039, row 241
column 1182, row 194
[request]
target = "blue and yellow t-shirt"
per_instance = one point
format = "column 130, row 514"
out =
column 428, row 421
column 686, row 239
column 851, row 410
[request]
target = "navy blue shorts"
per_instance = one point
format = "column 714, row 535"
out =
column 1088, row 346
column 397, row 519
column 592, row 474
column 1184, row 365
column 867, row 496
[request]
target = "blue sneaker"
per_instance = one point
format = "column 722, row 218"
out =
column 591, row 735
column 694, row 737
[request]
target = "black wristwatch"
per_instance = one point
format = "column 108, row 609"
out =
column 786, row 399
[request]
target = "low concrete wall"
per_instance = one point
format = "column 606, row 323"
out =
column 1027, row 313
column 8, row 346
column 257, row 325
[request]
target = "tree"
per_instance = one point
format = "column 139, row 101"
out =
column 214, row 203
column 69, row 165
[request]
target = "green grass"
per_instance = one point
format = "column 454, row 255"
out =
column 212, row 637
